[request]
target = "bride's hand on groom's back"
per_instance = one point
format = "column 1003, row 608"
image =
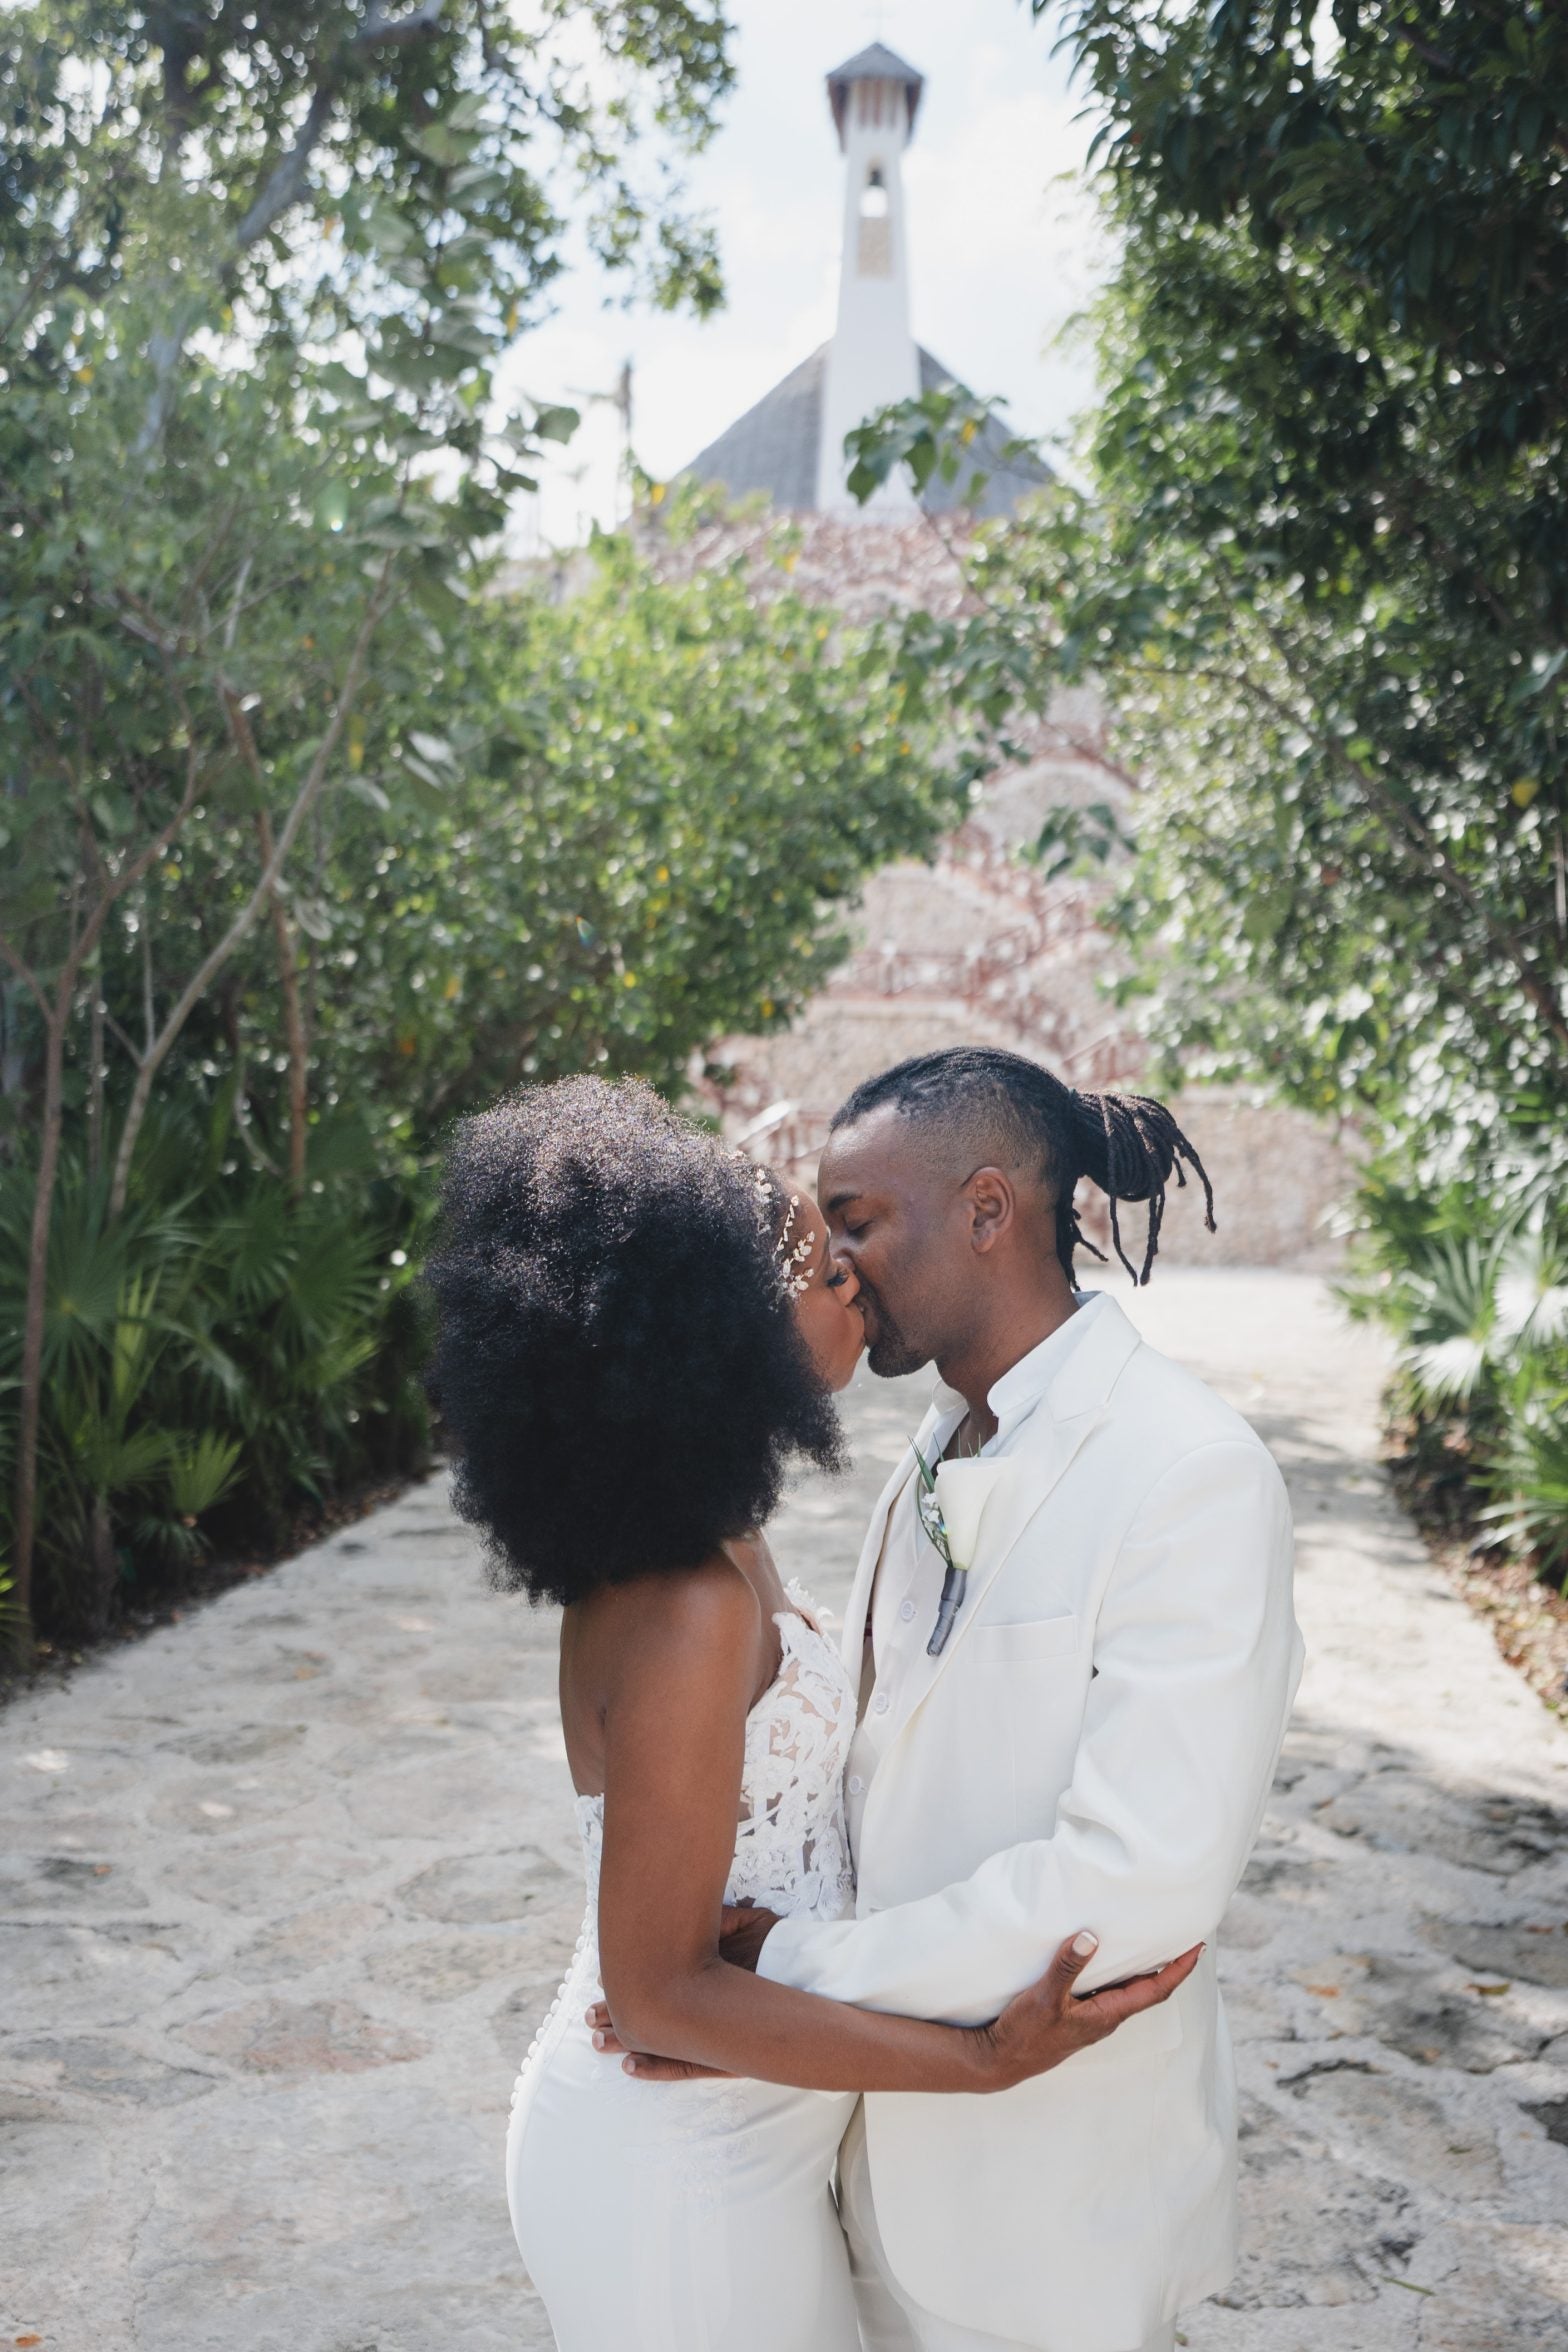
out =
column 1049, row 2021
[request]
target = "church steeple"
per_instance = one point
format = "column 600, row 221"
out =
column 872, row 359
column 789, row 445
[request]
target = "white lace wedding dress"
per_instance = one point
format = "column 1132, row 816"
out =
column 697, row 2217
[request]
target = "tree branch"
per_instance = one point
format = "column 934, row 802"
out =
column 286, row 182
column 217, row 956
column 115, row 1030
column 381, row 31
column 279, row 192
column 115, row 888
column 294, row 1028
column 25, row 974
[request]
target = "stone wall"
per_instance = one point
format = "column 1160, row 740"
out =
column 977, row 948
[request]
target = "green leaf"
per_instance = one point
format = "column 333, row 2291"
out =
column 442, row 143
column 434, row 750
column 556, row 423
column 365, row 788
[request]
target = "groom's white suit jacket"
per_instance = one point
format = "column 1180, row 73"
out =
column 1094, row 1749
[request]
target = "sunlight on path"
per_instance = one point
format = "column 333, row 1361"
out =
column 287, row 1884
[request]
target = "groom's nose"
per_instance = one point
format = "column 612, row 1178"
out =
column 846, row 1275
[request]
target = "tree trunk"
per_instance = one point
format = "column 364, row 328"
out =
column 33, row 1319
column 105, row 1564
column 56, row 1014
column 294, row 1029
column 95, row 1075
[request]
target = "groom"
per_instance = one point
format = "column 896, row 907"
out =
column 1093, row 1743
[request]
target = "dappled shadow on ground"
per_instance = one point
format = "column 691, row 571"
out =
column 1396, row 1964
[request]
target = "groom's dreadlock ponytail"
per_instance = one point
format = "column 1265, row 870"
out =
column 1127, row 1144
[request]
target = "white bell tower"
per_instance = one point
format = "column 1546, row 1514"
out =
column 871, row 360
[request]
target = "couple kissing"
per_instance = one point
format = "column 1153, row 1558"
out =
column 894, row 2022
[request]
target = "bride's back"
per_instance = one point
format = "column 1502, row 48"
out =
column 714, row 2180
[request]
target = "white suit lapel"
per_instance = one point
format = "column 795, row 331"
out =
column 859, row 1601
column 1075, row 1404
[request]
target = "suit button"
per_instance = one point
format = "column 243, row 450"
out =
column 907, row 1611
column 881, row 1703
column 856, row 1784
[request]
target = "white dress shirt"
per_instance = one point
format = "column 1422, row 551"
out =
column 908, row 1586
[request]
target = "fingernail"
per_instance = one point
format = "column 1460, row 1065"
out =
column 1086, row 1943
column 628, row 2065
column 598, row 2041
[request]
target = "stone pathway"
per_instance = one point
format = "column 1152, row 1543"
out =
column 287, row 1884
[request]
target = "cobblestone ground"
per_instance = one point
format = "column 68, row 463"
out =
column 288, row 1883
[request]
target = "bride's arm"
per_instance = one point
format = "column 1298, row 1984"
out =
column 674, row 1740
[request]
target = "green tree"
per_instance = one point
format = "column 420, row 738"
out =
column 654, row 802
column 256, row 271
column 1320, row 567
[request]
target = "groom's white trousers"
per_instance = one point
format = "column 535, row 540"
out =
column 889, row 2322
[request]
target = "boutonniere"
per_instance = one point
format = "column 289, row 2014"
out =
column 951, row 1499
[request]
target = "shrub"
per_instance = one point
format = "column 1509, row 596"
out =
column 1475, row 1289
column 217, row 1361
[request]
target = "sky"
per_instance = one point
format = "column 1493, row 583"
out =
column 1003, row 245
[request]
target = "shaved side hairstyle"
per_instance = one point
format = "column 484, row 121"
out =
column 1012, row 1111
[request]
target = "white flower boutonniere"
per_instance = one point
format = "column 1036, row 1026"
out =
column 951, row 1499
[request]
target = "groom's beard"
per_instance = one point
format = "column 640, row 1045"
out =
column 889, row 1354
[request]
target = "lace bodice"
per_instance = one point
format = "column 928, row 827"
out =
column 791, row 1847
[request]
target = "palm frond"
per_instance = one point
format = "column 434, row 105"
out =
column 201, row 1471
column 1532, row 1289
column 117, row 1461
column 1530, row 1479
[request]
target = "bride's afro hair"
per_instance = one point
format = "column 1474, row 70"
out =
column 617, row 1367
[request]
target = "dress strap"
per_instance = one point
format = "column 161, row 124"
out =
column 805, row 1607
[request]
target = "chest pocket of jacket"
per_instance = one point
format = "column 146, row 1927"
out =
column 1031, row 1644
column 1018, row 1695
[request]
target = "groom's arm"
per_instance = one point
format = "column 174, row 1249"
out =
column 1197, row 1658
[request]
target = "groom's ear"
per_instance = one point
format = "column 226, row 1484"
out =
column 993, row 1205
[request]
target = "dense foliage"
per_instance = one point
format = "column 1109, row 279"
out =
column 654, row 799
column 310, row 839
column 1320, row 565
column 649, row 801
column 1478, row 1300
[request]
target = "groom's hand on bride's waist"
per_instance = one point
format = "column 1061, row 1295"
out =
column 743, row 1931
column 1049, row 2022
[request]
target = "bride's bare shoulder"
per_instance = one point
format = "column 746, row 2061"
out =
column 676, row 1623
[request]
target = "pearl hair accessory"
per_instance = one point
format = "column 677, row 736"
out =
column 790, row 1256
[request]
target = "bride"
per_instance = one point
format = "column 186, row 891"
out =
column 638, row 1333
